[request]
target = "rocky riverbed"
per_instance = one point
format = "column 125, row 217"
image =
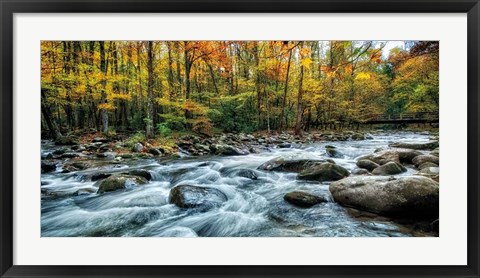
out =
column 321, row 184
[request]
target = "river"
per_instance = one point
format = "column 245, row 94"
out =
column 255, row 208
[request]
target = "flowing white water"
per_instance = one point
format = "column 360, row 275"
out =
column 254, row 207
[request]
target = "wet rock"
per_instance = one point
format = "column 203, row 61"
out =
column 416, row 146
column 284, row 164
column 324, row 172
column 435, row 152
column 42, row 183
column 383, row 156
column 68, row 169
column 390, row 168
column 59, row 151
column 84, row 191
column 141, row 173
column 202, row 148
column 303, row 199
column 99, row 176
column 78, row 148
column 367, row 164
column 360, row 171
column 47, row 156
column 126, row 155
column 431, row 172
column 426, row 165
column 110, row 155
column 410, row 197
column 419, row 160
column 333, row 152
column 222, row 149
column 154, row 151
column 407, row 156
column 247, row 173
column 357, row 136
column 117, row 182
column 203, row 198
column 81, row 165
column 48, row 167
column 69, row 155
column 284, row 145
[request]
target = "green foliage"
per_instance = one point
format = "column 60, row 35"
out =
column 138, row 137
column 174, row 121
column 233, row 114
column 163, row 130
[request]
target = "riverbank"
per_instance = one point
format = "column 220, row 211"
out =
column 137, row 146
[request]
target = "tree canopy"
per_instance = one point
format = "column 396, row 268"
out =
column 231, row 86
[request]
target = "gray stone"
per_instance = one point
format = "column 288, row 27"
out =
column 411, row 197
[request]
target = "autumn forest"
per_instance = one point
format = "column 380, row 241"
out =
column 160, row 87
column 240, row 138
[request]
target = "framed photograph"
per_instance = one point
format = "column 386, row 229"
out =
column 242, row 138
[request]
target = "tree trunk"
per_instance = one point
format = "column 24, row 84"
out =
column 103, row 68
column 188, row 66
column 149, row 120
column 284, row 101
column 52, row 126
column 299, row 100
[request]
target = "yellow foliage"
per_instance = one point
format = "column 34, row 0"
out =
column 306, row 62
column 363, row 76
column 107, row 106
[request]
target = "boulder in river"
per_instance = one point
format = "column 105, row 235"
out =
column 390, row 168
column 383, row 156
column 141, row 173
column 333, row 152
column 407, row 156
column 48, row 167
column 367, row 164
column 430, row 172
column 69, row 155
column 416, row 146
column 284, row 145
column 404, row 197
column 324, row 172
column 419, row 160
column 303, row 199
column 247, row 173
column 285, row 164
column 189, row 196
column 117, row 182
column 224, row 149
column 360, row 171
column 426, row 165
column 99, row 176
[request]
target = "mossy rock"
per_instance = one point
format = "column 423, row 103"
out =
column 118, row 182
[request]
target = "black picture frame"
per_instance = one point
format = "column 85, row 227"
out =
column 9, row 7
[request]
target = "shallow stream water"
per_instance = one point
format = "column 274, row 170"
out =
column 255, row 208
